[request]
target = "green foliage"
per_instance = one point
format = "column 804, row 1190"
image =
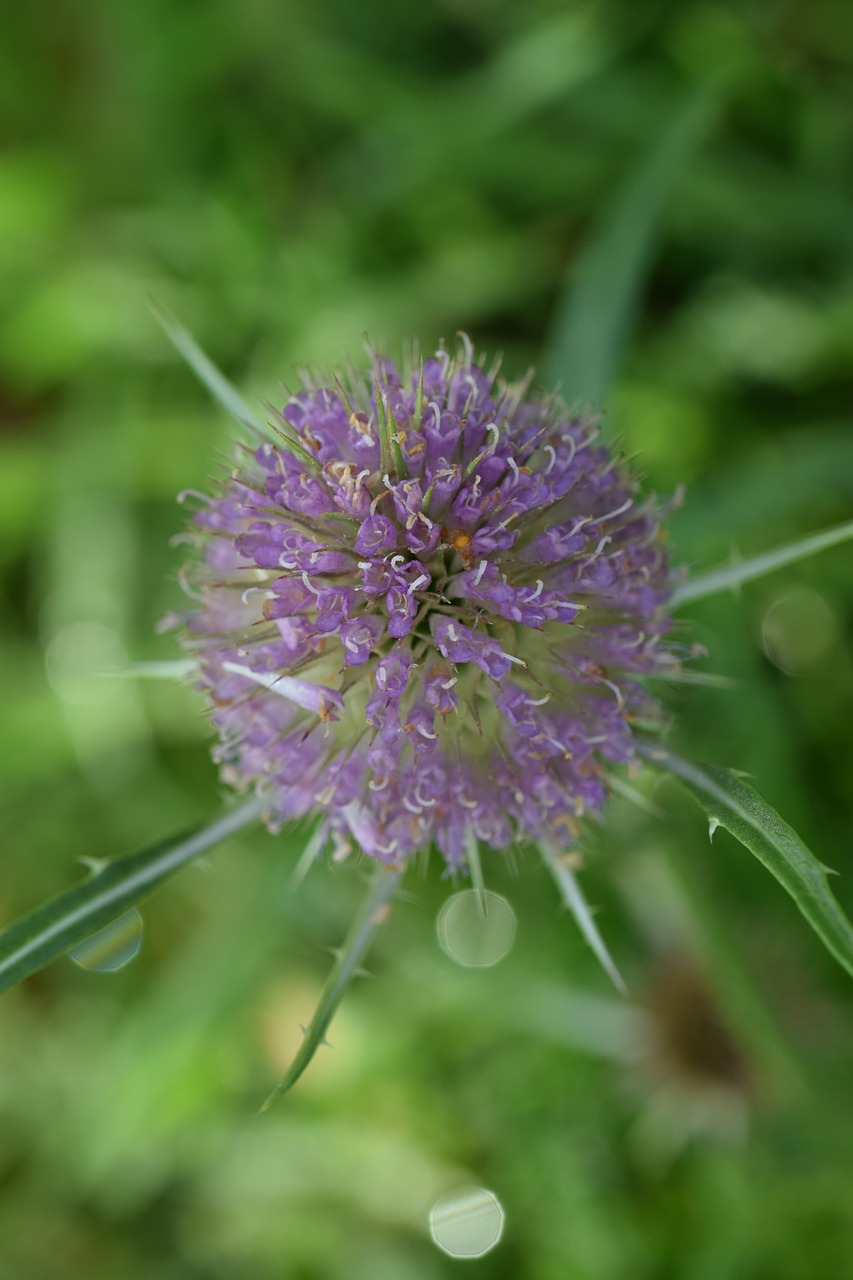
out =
column 735, row 805
column 594, row 320
column 47, row 932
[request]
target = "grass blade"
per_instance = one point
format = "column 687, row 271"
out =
column 365, row 925
column 731, row 576
column 205, row 370
column 734, row 804
column 597, row 311
column 46, row 933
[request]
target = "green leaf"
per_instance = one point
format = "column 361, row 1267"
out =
column 572, row 895
column 732, row 575
column 597, row 311
column 475, row 869
column 167, row 669
column 46, row 933
column 365, row 925
column 734, row 804
column 205, row 370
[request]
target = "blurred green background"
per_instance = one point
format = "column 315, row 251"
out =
column 287, row 177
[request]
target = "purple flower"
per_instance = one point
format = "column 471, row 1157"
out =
column 425, row 612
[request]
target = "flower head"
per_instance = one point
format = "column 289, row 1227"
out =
column 425, row 609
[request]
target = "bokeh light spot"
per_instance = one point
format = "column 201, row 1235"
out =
column 467, row 1223
column 77, row 658
column 112, row 947
column 798, row 629
column 476, row 929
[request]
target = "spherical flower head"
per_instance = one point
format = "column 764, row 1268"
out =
column 425, row 611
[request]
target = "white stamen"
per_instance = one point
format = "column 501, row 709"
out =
column 513, row 466
column 418, row 582
column 636, row 644
column 448, row 684
column 494, row 431
column 617, row 691
column 361, row 476
column 481, row 569
column 552, row 454
column 540, row 587
column 378, row 784
column 617, row 512
column 397, row 560
column 425, row 733
column 539, row 702
column 309, row 584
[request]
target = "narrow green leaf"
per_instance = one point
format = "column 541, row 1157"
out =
column 46, row 933
column 595, row 318
column 475, row 869
column 573, row 897
column 627, row 792
column 345, row 968
column 167, row 669
column 734, row 804
column 205, row 370
column 386, row 456
column 308, row 857
column 732, row 575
